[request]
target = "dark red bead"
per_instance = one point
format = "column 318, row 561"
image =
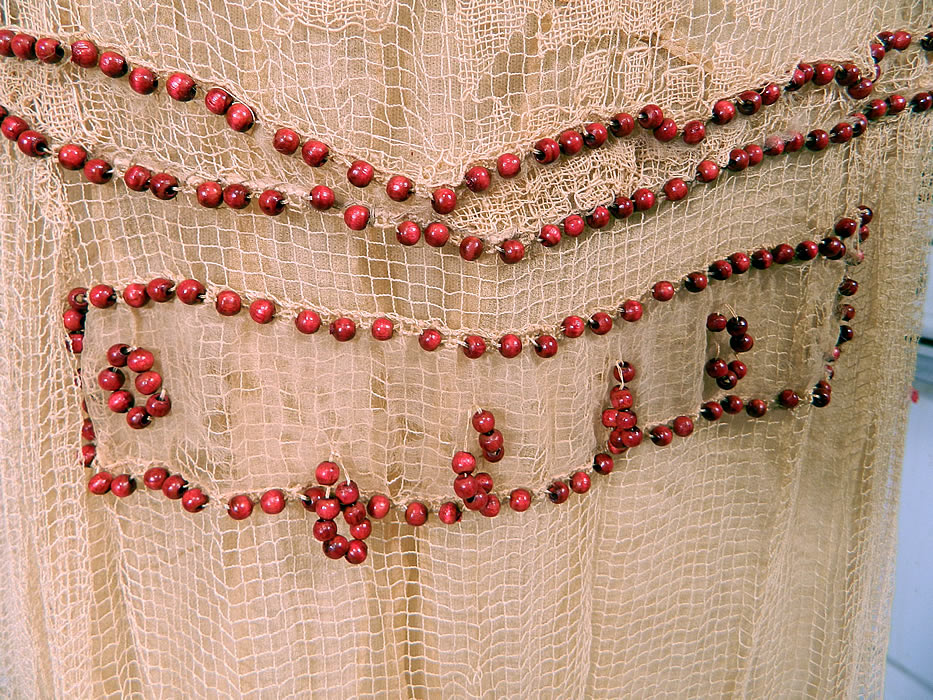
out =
column 807, row 250
column 771, row 93
column 621, row 399
column 443, row 200
column 840, row 133
column 324, row 531
column 738, row 160
column 732, row 404
column 549, row 236
column 463, row 463
column 675, row 189
column 573, row 225
column 682, row 426
column 49, row 50
column 430, row 339
column 740, row 263
column 846, row 227
column 896, row 103
column 307, row 321
column 140, row 360
column 546, row 151
column 164, row 186
column 848, row 287
column 378, row 506
column 160, row 289
column 382, row 329
column 631, row 310
column 240, row 507
column 797, row 80
column 262, row 311
column 474, row 346
column 408, row 233
column 112, row 64
column 728, row 380
column 190, row 292
column 580, row 482
column 848, row 74
column 286, row 141
column 471, row 248
column 696, row 282
column 88, row 454
column 570, row 142
column 782, row 254
column 741, row 343
column 600, row 323
column 748, row 102
column 327, row 508
column 228, row 303
column 513, row 250
column 876, row 109
column 723, row 112
column 311, row 496
column 602, row 464
column 102, row 296
column 137, row 178
column 661, row 435
column 210, row 194
column 788, row 398
column 663, row 291
column 817, row 140
column 322, row 197
column 180, row 87
column 865, row 214
column 711, row 410
column 87, row 430
column 650, row 117
column 399, row 188
column 774, row 146
column 336, row 547
column 239, row 117
column 900, row 40
column 545, row 346
column 315, row 154
column 886, row 38
column 99, row 484
column 416, row 513
column 823, row 74
column 6, row 37
column 666, row 130
column 137, row 418
column 135, row 295
column 694, row 132
column 643, row 199
column 598, row 218
column 847, row 312
column 508, row 165
column 360, row 173
column 347, row 492
column 572, row 327
column 623, row 372
column 762, row 259
column 717, row 368
column 143, row 81
column 98, row 171
column 84, row 53
column 218, row 101
column 926, row 42
column 720, row 270
column 832, row 248
column 110, row 379
column 477, row 179
column 343, row 329
column 356, row 217
column 622, row 124
column 148, row 383
column 117, row 354
column 920, row 102
column 448, row 513
column 861, row 89
column 327, row 473
column 520, row 500
column 12, row 127
column 558, row 492
column 846, row 333
column 738, row 368
column 32, row 143
column 756, row 408
column 159, row 405
column 707, row 171
column 436, row 235
column 793, row 142
column 72, row 157
column 756, row 154
column 594, row 135
column 272, row 202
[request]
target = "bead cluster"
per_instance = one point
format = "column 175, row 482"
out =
column 148, row 383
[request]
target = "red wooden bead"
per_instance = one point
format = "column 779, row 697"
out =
column 832, row 248
column 622, row 207
column 661, row 435
column 762, row 259
column 723, row 112
column 360, row 173
column 508, row 165
column 738, row 160
column 32, row 143
column 336, row 547
column 471, row 248
column 707, row 171
column 570, row 142
column 347, row 492
column 643, row 199
column 382, row 329
column 520, row 500
column 573, row 225
column 896, row 103
column 399, row 188
column 756, row 154
column 193, row 500
column 622, row 124
column 148, row 382
column 327, row 508
column 861, row 89
column 682, row 426
column 140, row 360
column 465, row 486
column 774, row 146
column 545, row 346
column 327, row 473
column 477, row 179
column 847, row 312
column 12, row 127
column 474, row 346
column 155, row 477
column 117, row 354
column 926, row 41
column 110, row 379
column 694, row 132
column 210, row 194
column 550, row 235
column 322, row 197
column 483, row 421
column 727, row 381
column 920, row 102
column 738, row 368
column 99, row 484
column 594, row 135
column 806, row 250
column 272, row 202
column 73, row 320
column 650, row 117
column 491, row 441
column 448, row 513
column 262, row 310
column 770, row 94
column 859, row 124
column 102, row 296
column 164, row 186
column 675, row 189
column 137, row 178
column 72, row 157
column 84, row 53
column 430, row 339
column 817, row 140
column 631, row 310
column 356, row 217
column 876, row 109
column 180, row 87
column 900, row 40
column 663, row 291
column 740, row 263
column 122, row 485
column 311, row 496
column 343, row 329
column 218, row 101
column 416, row 513
column 600, row 323
column 807, row 71
column 572, row 327
column 77, row 299
column 732, row 404
column 602, row 464
column 190, row 292
column 510, row 345
column 463, row 463
column 711, row 410
column 240, row 507
column 356, row 551
column 49, row 50
column 98, row 171
column 159, row 405
column 512, row 251
column 793, row 142
column 315, row 153
column 598, row 218
column 847, row 74
column 666, row 130
column 137, row 418
column 443, row 200
column 716, row 368
column 625, row 420
column 143, row 81
column 741, row 343
column 558, row 492
column 87, row 429
column 756, row 408
column 436, row 235
column 160, row 289
column 782, row 254
column 239, row 117
column 748, row 102
column 546, row 151
column 840, row 133
column 378, row 506
column 788, row 398
column 630, row 437
column 307, row 321
column 797, row 80
column 228, row 303
column 112, row 64
column 623, row 372
column 580, row 482
column 286, row 141
column 696, row 282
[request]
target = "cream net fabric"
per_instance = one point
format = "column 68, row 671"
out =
column 754, row 558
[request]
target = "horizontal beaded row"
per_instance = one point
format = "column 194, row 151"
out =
column 478, row 178
column 599, row 322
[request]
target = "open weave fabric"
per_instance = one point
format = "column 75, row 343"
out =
column 753, row 558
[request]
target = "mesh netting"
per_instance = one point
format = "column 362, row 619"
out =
column 753, row 558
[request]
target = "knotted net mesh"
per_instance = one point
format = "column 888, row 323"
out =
column 753, row 558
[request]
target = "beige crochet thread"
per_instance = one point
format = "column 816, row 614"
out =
column 752, row 559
